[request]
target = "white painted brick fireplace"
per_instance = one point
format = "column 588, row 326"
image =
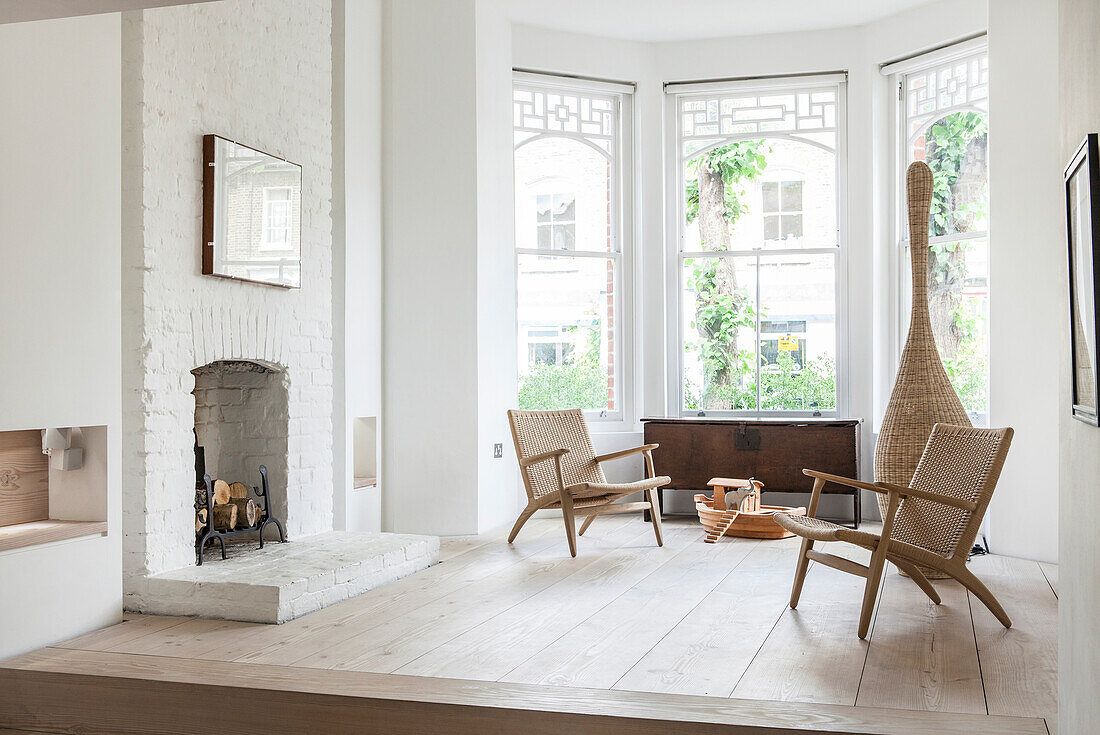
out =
column 187, row 71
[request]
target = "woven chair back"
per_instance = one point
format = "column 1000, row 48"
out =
column 535, row 432
column 962, row 462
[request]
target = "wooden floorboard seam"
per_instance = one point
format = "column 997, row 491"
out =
column 870, row 634
column 686, row 550
column 545, row 538
column 1053, row 587
column 158, row 631
column 981, row 673
column 675, row 532
column 692, row 610
column 608, row 604
column 581, row 565
column 759, row 648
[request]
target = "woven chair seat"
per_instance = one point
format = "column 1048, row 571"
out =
column 819, row 530
column 816, row 529
column 624, row 488
column 588, row 502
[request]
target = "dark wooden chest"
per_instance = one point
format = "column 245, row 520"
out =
column 693, row 450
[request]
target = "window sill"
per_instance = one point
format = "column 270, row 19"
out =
column 23, row 535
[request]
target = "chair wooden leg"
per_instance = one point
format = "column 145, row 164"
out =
column 586, row 524
column 972, row 583
column 655, row 515
column 917, row 576
column 870, row 592
column 878, row 561
column 523, row 518
column 800, row 571
column 570, row 522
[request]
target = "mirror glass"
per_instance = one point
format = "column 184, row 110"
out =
column 252, row 214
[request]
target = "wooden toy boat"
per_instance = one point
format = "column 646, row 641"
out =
column 735, row 510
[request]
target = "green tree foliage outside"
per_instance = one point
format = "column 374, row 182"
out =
column 716, row 184
column 784, row 386
column 954, row 147
column 576, row 383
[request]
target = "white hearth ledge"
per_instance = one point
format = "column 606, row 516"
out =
column 284, row 581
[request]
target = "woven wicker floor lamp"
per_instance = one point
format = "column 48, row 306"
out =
column 922, row 395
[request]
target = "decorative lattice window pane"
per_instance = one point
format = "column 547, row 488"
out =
column 590, row 116
column 745, row 114
column 953, row 85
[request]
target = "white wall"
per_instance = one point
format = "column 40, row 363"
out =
column 499, row 499
column 341, row 424
column 60, row 303
column 430, row 302
column 362, row 210
column 1027, row 259
column 448, row 303
column 1078, row 621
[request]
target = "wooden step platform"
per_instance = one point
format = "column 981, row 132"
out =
column 103, row 693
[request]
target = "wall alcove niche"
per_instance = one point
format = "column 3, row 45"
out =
column 44, row 501
column 242, row 422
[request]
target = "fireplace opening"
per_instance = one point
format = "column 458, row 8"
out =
column 242, row 422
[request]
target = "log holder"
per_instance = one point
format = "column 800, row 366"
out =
column 205, row 499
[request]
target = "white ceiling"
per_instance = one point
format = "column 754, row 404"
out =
column 682, row 20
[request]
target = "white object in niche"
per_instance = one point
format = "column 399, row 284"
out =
column 67, row 459
column 57, row 443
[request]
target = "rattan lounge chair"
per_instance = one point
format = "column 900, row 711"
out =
column 560, row 469
column 932, row 523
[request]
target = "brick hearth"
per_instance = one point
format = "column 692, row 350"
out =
column 285, row 581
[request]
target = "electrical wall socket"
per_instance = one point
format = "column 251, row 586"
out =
column 498, row 450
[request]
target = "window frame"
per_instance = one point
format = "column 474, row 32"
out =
column 623, row 227
column 674, row 254
column 780, row 213
column 553, row 223
column 899, row 217
column 266, row 205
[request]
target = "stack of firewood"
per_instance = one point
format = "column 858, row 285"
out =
column 232, row 508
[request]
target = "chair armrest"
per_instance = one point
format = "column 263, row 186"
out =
column 542, row 457
column 626, row 452
column 845, row 481
column 930, row 496
column 885, row 488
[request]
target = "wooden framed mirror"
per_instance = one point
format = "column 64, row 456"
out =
column 251, row 214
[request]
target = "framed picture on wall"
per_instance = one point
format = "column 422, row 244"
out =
column 1082, row 178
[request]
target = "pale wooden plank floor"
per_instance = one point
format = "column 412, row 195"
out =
column 1019, row 665
column 689, row 618
column 922, row 656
